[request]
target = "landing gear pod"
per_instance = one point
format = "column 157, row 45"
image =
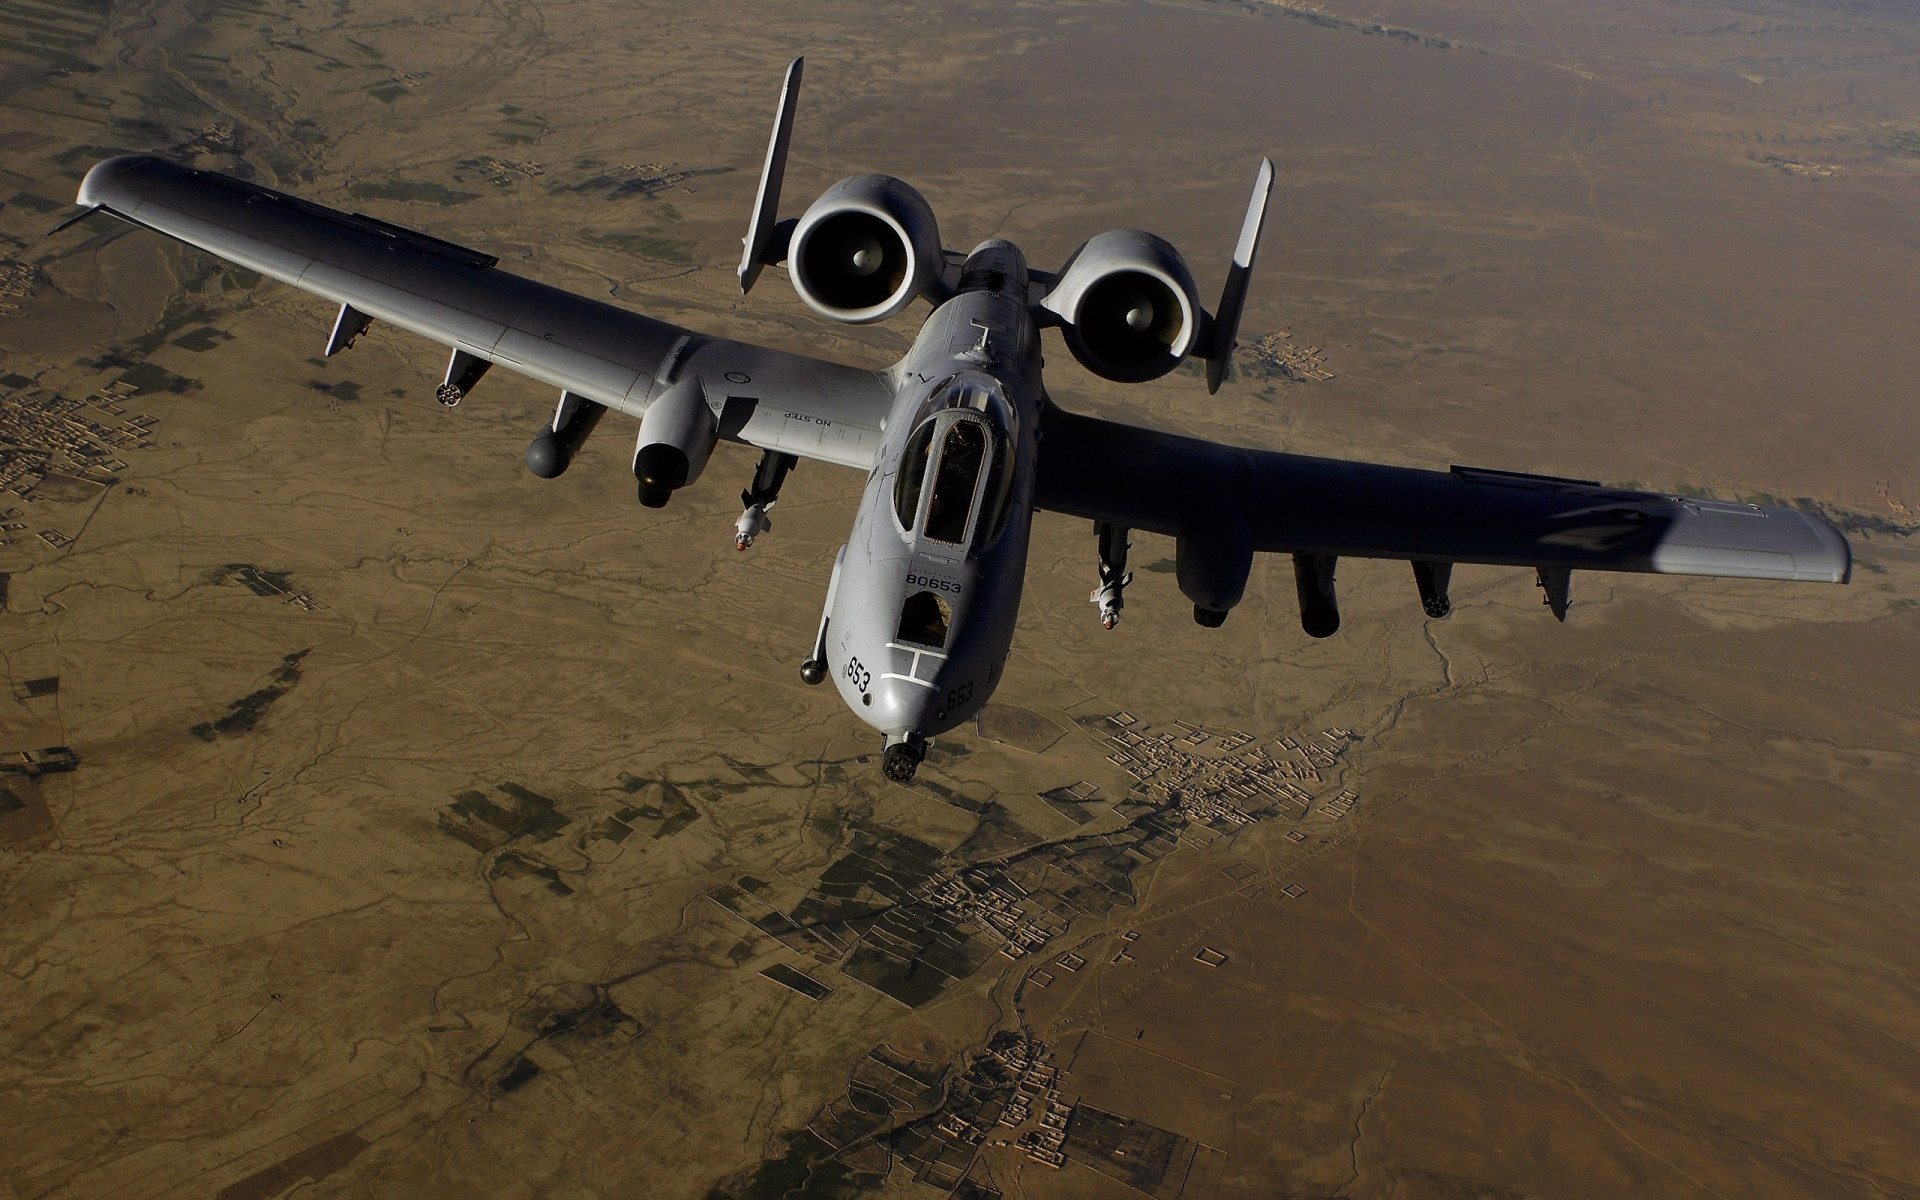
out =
column 814, row 669
column 677, row 436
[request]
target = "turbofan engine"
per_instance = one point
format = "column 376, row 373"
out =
column 865, row 249
column 1128, row 305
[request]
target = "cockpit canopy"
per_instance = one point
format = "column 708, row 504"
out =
column 956, row 476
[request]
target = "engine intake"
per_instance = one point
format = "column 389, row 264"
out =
column 1128, row 304
column 865, row 249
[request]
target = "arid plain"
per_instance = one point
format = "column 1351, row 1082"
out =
column 379, row 820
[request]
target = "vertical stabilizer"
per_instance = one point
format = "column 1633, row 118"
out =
column 1233, row 297
column 766, row 205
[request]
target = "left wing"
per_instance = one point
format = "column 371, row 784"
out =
column 458, row 297
column 1225, row 502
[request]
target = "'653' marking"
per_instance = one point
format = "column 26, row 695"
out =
column 860, row 677
column 957, row 697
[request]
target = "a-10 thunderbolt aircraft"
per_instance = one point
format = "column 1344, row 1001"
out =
column 959, row 439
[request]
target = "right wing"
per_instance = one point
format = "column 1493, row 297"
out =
column 1232, row 496
column 459, row 298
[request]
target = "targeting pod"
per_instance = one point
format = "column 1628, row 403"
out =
column 1319, row 606
column 1211, row 563
column 559, row 440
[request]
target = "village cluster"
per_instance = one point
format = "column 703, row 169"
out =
column 651, row 177
column 44, row 434
column 503, row 171
column 41, row 432
column 16, row 281
column 1219, row 779
column 1039, row 1088
column 996, row 907
column 1036, row 1090
column 1277, row 353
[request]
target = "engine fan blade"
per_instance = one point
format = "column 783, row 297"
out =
column 1233, row 297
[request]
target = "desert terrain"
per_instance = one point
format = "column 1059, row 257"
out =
column 379, row 820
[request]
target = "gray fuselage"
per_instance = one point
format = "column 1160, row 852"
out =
column 926, row 592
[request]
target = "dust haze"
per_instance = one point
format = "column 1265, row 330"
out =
column 379, row 820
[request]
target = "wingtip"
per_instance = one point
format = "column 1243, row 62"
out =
column 97, row 185
column 1833, row 553
column 1841, row 551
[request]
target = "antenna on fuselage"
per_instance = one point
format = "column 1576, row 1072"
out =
column 1233, row 296
column 767, row 235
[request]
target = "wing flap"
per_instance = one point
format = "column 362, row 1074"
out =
column 1291, row 503
column 456, row 296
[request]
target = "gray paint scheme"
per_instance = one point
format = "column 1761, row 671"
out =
column 900, row 685
column 1223, row 503
column 1183, row 486
column 606, row 354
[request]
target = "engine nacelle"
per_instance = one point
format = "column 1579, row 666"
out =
column 1128, row 304
column 677, row 436
column 865, row 249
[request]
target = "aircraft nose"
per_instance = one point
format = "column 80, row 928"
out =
column 899, row 705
